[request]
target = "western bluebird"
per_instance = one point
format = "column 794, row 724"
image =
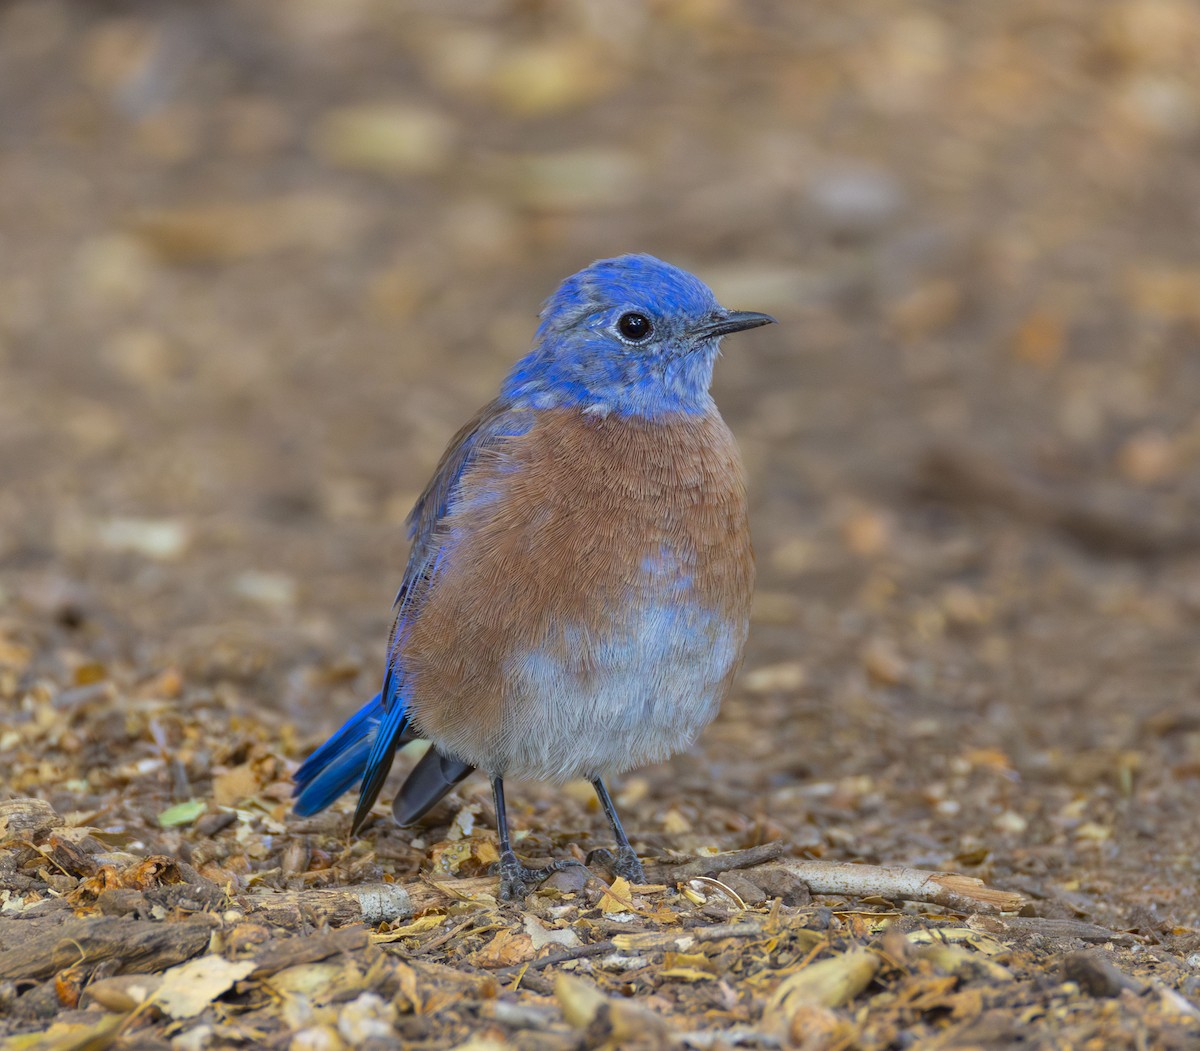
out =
column 577, row 597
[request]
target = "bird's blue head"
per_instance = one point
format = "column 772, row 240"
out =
column 630, row 336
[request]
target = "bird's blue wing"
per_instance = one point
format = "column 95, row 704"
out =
column 363, row 749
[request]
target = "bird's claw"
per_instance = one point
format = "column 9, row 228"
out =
column 624, row 862
column 518, row 880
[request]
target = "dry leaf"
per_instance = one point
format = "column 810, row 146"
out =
column 687, row 974
column 542, row 936
column 418, row 926
column 622, row 1021
column 188, row 989
column 234, row 786
column 827, row 983
column 507, row 948
column 464, row 857
column 311, row 981
column 122, row 992
column 618, row 897
column 980, row 941
column 65, row 1036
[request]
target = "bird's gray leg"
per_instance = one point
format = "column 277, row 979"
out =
column 625, row 861
column 516, row 879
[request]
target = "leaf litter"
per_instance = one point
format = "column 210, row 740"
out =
column 105, row 943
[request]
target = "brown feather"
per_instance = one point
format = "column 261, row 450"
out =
column 552, row 530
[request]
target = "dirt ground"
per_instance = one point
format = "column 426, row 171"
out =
column 257, row 264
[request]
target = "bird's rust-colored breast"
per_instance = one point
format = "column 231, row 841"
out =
column 554, row 535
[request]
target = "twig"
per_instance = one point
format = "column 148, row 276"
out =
column 445, row 936
column 308, row 949
column 369, row 903
column 142, row 946
column 375, row 903
column 655, row 941
column 644, row 941
column 954, row 891
column 1050, row 927
column 670, row 870
column 580, row 952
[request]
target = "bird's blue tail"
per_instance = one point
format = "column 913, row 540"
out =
column 339, row 764
column 361, row 753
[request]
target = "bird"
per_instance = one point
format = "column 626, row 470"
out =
column 576, row 600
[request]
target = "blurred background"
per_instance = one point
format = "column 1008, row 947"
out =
column 259, row 261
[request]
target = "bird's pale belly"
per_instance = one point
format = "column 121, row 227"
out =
column 588, row 707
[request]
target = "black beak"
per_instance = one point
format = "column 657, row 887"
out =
column 732, row 321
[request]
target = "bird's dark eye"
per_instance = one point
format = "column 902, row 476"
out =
column 634, row 327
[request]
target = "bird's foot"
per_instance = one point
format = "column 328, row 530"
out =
column 518, row 880
column 624, row 862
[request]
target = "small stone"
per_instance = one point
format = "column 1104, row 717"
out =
column 569, row 880
column 743, row 886
column 778, row 881
column 368, row 1017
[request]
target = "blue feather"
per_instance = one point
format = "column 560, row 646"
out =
column 339, row 763
column 392, row 731
column 579, row 358
column 361, row 752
